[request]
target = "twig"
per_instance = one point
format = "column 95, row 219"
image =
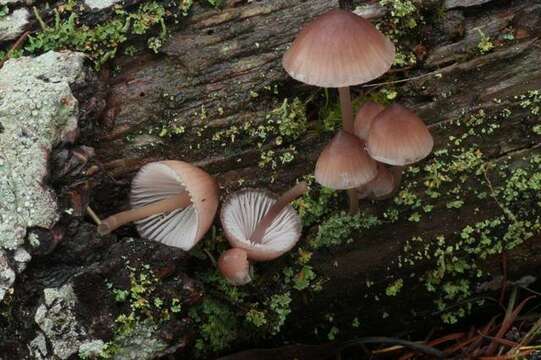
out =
column 212, row 259
column 402, row 80
column 93, row 215
column 39, row 19
column 505, row 210
column 392, row 341
column 14, row 47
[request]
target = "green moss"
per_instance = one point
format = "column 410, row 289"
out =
column 450, row 179
column 485, row 44
column 102, row 41
column 394, row 288
column 218, row 326
column 341, row 228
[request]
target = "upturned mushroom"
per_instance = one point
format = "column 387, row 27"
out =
column 399, row 137
column 173, row 202
column 235, row 267
column 262, row 224
column 340, row 49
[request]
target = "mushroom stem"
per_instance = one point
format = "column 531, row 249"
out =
column 347, row 109
column 353, row 201
column 347, row 124
column 163, row 206
column 276, row 209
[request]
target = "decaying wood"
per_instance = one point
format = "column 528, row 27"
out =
column 220, row 59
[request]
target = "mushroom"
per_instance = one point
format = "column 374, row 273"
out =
column 340, row 49
column 262, row 224
column 344, row 164
column 235, row 267
column 365, row 117
column 398, row 137
column 383, row 186
column 173, row 202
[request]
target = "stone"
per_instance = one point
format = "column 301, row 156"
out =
column 38, row 347
column 91, row 350
column 141, row 343
column 370, row 11
column 22, row 258
column 7, row 275
column 14, row 24
column 56, row 318
column 37, row 112
column 100, row 4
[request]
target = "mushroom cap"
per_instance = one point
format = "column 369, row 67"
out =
column 235, row 267
column 244, row 209
column 382, row 186
column 181, row 228
column 338, row 49
column 344, row 163
column 365, row 117
column 399, row 137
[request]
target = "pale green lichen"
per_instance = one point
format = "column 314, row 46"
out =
column 37, row 112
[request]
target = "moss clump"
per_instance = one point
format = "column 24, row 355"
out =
column 100, row 42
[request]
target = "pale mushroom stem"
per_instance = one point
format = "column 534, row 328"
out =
column 163, row 206
column 276, row 209
column 347, row 124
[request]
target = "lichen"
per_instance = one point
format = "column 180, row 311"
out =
column 38, row 111
column 56, row 318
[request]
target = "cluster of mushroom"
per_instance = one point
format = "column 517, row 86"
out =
column 175, row 203
column 340, row 49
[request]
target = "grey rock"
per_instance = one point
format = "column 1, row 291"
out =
column 7, row 275
column 370, row 11
column 450, row 4
column 6, row 2
column 22, row 258
column 100, row 4
column 37, row 112
column 91, row 350
column 38, row 347
column 14, row 24
column 56, row 318
column 141, row 343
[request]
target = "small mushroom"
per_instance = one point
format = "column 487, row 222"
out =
column 383, row 186
column 399, row 137
column 235, row 267
column 365, row 117
column 173, row 202
column 344, row 164
column 262, row 224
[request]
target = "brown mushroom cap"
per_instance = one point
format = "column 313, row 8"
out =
column 344, row 163
column 181, row 228
column 383, row 186
column 338, row 49
column 244, row 209
column 235, row 267
column 398, row 137
column 364, row 118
